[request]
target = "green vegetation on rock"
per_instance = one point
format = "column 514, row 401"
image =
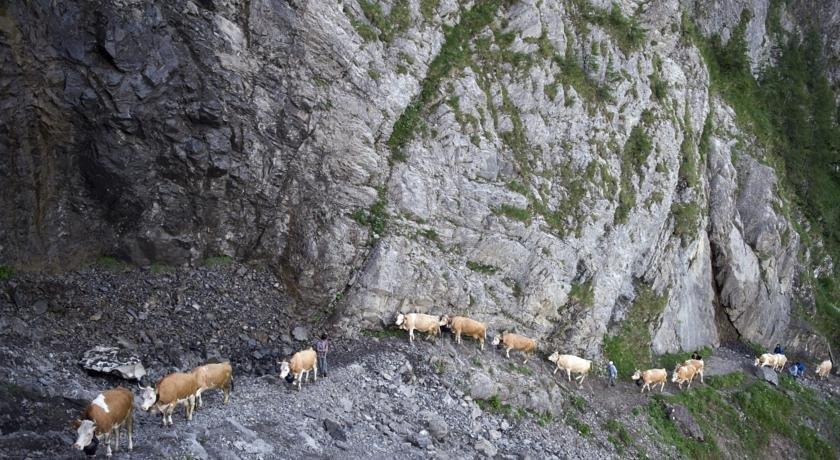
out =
column 741, row 413
column 629, row 345
column 454, row 54
column 636, row 151
column 791, row 110
column 481, row 268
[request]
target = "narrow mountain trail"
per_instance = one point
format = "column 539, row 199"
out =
column 385, row 398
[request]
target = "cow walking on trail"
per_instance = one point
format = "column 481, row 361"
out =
column 104, row 416
column 176, row 388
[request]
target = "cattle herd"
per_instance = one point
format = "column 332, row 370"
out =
column 114, row 409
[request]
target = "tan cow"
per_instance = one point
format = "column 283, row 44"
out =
column 420, row 322
column 824, row 369
column 466, row 326
column 698, row 365
column 683, row 373
column 775, row 361
column 176, row 388
column 571, row 363
column 106, row 414
column 517, row 342
column 299, row 366
column 214, row 376
column 651, row 377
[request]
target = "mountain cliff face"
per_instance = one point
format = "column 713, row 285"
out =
column 566, row 169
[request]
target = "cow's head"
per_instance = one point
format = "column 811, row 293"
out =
column 637, row 375
column 148, row 396
column 284, row 369
column 497, row 340
column 676, row 375
column 85, row 436
column 554, row 357
column 445, row 320
column 757, row 362
column 400, row 319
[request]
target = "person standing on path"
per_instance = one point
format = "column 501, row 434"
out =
column 322, row 346
column 612, row 372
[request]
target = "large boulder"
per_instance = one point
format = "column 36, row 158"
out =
column 482, row 386
column 768, row 375
column 113, row 360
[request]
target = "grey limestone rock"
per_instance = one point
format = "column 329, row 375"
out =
column 113, row 360
column 174, row 133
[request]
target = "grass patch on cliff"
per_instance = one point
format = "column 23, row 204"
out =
column 619, row 436
column 636, row 151
column 110, row 263
column 629, row 345
column 376, row 218
column 628, row 34
column 454, row 54
column 397, row 21
column 481, row 268
column 6, row 272
column 686, row 217
column 513, row 212
column 572, row 74
column 741, row 413
column 494, row 405
column 582, row 293
column 217, row 261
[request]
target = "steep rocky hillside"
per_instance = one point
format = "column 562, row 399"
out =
column 383, row 398
column 620, row 179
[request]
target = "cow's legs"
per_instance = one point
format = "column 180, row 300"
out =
column 582, row 378
column 116, row 432
column 169, row 413
column 226, row 391
column 662, row 387
column 129, row 424
column 107, row 438
column 411, row 335
column 198, row 398
column 315, row 371
column 507, row 352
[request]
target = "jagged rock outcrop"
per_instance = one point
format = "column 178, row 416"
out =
column 554, row 166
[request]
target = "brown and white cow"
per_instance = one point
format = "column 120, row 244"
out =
column 214, row 376
column 176, row 388
column 105, row 415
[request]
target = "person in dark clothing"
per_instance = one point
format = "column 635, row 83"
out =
column 779, row 350
column 322, row 347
